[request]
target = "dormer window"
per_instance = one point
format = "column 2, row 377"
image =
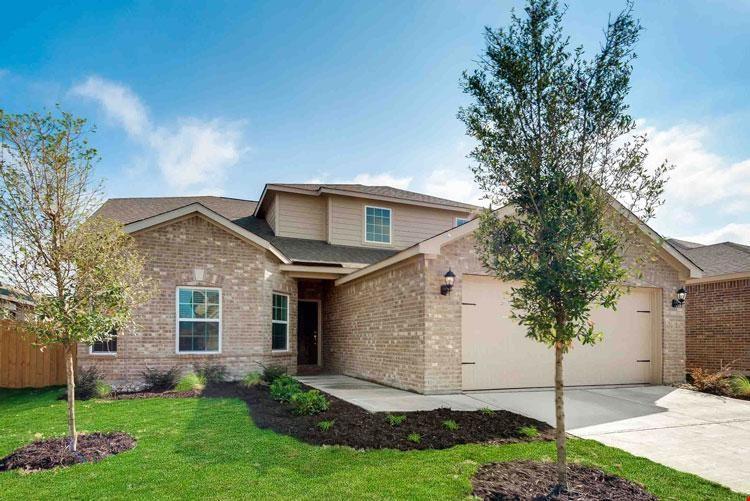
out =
column 377, row 225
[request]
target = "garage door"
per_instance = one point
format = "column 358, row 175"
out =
column 497, row 354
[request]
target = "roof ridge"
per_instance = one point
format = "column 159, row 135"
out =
column 183, row 196
column 741, row 247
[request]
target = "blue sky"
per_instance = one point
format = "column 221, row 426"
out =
column 221, row 98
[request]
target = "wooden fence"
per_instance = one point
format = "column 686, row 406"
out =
column 23, row 365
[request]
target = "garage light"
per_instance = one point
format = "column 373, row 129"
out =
column 681, row 295
column 449, row 277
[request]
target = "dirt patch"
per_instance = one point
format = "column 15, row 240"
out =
column 357, row 428
column 531, row 480
column 51, row 453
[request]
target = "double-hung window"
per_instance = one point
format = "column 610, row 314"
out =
column 462, row 220
column 280, row 323
column 106, row 346
column 198, row 320
column 377, row 225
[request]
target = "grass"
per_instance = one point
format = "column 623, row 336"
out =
column 209, row 448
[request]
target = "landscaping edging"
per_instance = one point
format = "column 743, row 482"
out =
column 535, row 480
column 360, row 429
column 54, row 452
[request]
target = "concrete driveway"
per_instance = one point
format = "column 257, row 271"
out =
column 693, row 432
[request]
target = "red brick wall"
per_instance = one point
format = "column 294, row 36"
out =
column 718, row 324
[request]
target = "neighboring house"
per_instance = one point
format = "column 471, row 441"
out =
column 13, row 304
column 348, row 278
column 718, row 306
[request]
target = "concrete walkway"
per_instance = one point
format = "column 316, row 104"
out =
column 693, row 432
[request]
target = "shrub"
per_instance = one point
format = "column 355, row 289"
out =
column 414, row 437
column 271, row 372
column 710, row 382
column 528, row 431
column 395, row 419
column 307, row 403
column 326, row 425
column 102, row 389
column 251, row 379
column 86, row 381
column 211, row 373
column 487, row 411
column 450, row 425
column 156, row 380
column 190, row 382
column 284, row 387
column 740, row 386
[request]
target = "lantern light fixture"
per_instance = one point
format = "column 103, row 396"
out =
column 450, row 279
column 681, row 296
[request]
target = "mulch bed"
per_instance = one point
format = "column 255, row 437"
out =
column 357, row 428
column 51, row 453
column 531, row 480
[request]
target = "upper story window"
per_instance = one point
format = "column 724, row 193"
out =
column 105, row 347
column 377, row 225
column 462, row 220
column 198, row 320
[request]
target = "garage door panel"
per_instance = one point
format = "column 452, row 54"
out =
column 497, row 353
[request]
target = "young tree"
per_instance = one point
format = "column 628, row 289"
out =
column 555, row 142
column 84, row 273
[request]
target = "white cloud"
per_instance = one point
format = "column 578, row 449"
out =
column 732, row 232
column 192, row 154
column 380, row 179
column 454, row 184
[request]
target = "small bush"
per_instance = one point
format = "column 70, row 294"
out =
column 450, row 425
column 326, row 425
column 86, row 381
column 710, row 382
column 190, row 382
column 395, row 419
column 251, row 379
column 528, row 431
column 211, row 373
column 414, row 437
column 102, row 389
column 284, row 387
column 740, row 386
column 487, row 411
column 156, row 380
column 271, row 372
column 307, row 403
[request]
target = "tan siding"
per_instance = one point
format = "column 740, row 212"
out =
column 410, row 224
column 301, row 216
column 271, row 214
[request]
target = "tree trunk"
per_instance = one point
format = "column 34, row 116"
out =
column 562, row 469
column 70, row 372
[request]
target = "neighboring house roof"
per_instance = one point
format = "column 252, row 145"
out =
column 140, row 213
column 377, row 192
column 724, row 258
column 10, row 294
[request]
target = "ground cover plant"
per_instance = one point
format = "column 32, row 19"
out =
column 160, row 380
column 197, row 448
column 721, row 382
column 191, row 382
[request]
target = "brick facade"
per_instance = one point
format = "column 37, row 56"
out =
column 247, row 276
column 718, row 325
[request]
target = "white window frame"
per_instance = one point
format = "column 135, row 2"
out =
column 390, row 225
column 285, row 322
column 464, row 219
column 177, row 319
column 102, row 353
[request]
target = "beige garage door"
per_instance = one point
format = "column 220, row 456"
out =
column 497, row 354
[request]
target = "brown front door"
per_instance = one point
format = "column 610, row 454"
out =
column 307, row 332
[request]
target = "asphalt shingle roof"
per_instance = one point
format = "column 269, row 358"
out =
column 129, row 210
column 385, row 191
column 716, row 259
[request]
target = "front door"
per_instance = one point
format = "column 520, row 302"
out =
column 307, row 332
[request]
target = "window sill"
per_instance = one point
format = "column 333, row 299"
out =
column 198, row 353
column 99, row 354
column 280, row 352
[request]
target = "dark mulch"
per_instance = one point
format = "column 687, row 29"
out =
column 360, row 429
column 531, row 480
column 50, row 453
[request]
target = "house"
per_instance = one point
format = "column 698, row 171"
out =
column 351, row 278
column 14, row 305
column 718, row 306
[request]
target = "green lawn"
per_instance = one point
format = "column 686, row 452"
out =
column 205, row 448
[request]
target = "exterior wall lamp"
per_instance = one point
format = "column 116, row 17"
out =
column 681, row 295
column 450, row 278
